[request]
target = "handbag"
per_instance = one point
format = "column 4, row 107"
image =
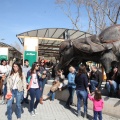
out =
column 8, row 95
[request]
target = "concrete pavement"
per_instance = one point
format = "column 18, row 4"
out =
column 50, row 110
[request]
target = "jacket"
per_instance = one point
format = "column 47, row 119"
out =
column 97, row 76
column 21, row 84
column 71, row 80
column 97, row 105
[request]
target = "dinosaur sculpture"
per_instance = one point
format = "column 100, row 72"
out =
column 104, row 48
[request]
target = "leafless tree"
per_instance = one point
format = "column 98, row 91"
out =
column 101, row 13
column 67, row 5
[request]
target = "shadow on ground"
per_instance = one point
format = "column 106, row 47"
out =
column 73, row 109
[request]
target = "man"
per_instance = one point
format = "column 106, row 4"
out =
column 25, row 69
column 95, row 78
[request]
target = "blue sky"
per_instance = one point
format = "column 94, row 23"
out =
column 17, row 16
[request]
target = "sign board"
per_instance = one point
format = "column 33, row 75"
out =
column 3, row 57
column 31, row 56
column 3, row 53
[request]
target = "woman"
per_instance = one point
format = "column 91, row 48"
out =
column 113, row 81
column 4, row 72
column 58, row 83
column 42, row 77
column 34, row 88
column 71, row 86
column 81, row 82
column 16, row 84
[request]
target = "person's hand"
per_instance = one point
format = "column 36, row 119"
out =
column 44, row 72
column 88, row 83
column 3, row 77
column 43, row 76
column 39, row 74
column 96, row 89
column 110, row 82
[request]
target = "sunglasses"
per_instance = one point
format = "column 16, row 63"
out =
column 42, row 62
column 37, row 65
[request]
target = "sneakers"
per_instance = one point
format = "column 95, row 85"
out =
column 85, row 115
column 79, row 113
column 35, row 111
column 32, row 113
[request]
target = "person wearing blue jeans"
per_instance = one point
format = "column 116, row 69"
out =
column 34, row 88
column 16, row 84
column 113, row 81
column 18, row 95
column 97, row 113
column 93, row 84
column 82, row 89
column 70, row 98
column 95, row 78
column 42, row 78
column 112, row 86
column 34, row 93
column 71, row 86
column 52, row 95
column 82, row 95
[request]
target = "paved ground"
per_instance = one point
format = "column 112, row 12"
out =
column 50, row 110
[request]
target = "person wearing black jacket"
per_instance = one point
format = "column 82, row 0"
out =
column 95, row 78
column 113, row 81
column 82, row 89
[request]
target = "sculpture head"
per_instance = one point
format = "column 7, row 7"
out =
column 66, row 53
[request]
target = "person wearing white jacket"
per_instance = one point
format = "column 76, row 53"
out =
column 4, row 72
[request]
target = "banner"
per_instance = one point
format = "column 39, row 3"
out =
column 3, row 57
column 31, row 56
column 3, row 53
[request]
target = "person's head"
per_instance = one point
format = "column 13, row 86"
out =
column 71, row 69
column 115, row 69
column 97, row 95
column 3, row 62
column 42, row 62
column 16, row 67
column 82, row 69
column 35, row 67
column 59, row 72
column 94, row 68
column 26, row 62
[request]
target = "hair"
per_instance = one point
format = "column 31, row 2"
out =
column 26, row 60
column 33, row 67
column 82, row 69
column 2, row 61
column 97, row 95
column 19, row 70
column 71, row 68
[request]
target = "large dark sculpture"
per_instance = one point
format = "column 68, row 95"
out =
column 103, row 49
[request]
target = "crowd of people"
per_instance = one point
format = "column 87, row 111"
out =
column 21, row 81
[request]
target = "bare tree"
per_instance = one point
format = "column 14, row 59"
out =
column 66, row 6
column 101, row 13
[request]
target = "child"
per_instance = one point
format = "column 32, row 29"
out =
column 97, row 104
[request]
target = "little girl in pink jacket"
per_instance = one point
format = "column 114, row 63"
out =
column 97, row 104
